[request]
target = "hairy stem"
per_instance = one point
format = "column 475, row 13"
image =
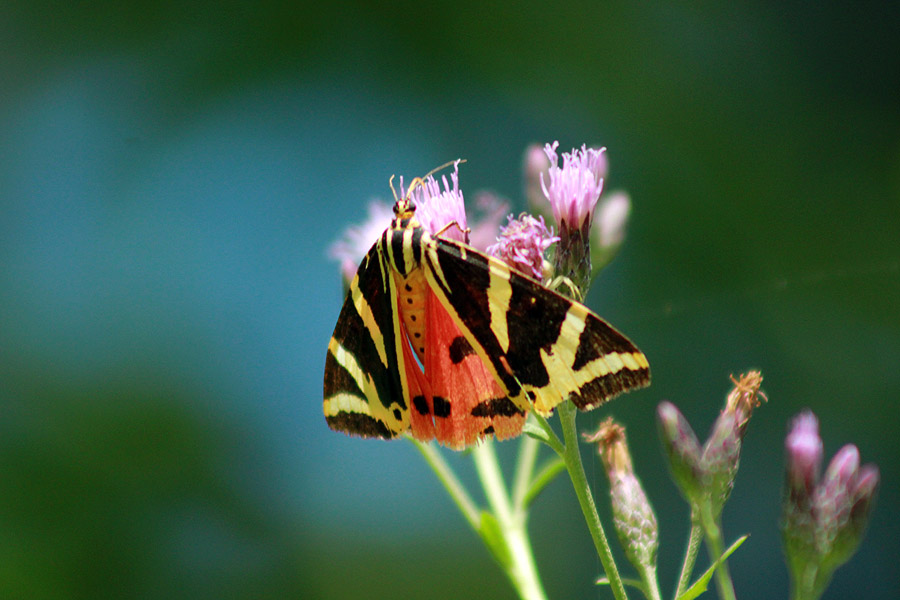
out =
column 690, row 556
column 572, row 456
column 712, row 528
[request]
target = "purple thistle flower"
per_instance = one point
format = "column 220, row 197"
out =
column 436, row 207
column 574, row 188
column 573, row 191
column 522, row 243
column 490, row 210
column 356, row 241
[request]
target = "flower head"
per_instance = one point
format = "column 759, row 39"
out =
column 522, row 244
column 574, row 189
column 438, row 207
column 356, row 241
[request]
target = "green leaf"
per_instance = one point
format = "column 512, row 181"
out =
column 492, row 534
column 533, row 430
column 702, row 584
column 548, row 473
column 635, row 583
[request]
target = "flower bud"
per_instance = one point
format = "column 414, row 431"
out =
column 633, row 516
column 682, row 449
column 608, row 229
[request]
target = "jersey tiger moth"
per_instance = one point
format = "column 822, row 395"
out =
column 440, row 340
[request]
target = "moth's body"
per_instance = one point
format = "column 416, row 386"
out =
column 491, row 344
column 406, row 233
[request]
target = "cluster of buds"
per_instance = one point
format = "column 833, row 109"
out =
column 705, row 476
column 633, row 516
column 823, row 520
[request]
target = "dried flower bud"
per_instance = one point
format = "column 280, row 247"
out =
column 682, row 449
column 633, row 516
column 722, row 452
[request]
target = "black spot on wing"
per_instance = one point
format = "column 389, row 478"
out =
column 467, row 282
column 441, row 407
column 421, row 405
column 459, row 349
column 503, row 407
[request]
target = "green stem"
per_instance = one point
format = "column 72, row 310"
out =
column 521, row 570
column 713, row 530
column 651, row 582
column 690, row 556
column 528, row 450
column 572, row 456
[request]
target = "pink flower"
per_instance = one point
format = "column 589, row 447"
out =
column 436, row 208
column 574, row 188
column 350, row 249
column 489, row 212
column 522, row 244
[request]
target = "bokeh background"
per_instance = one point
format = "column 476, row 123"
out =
column 171, row 175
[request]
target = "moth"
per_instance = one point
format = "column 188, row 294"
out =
column 445, row 342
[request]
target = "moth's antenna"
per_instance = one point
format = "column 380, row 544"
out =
column 393, row 191
column 443, row 166
column 418, row 181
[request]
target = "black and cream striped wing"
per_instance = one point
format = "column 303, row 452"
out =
column 366, row 387
column 539, row 345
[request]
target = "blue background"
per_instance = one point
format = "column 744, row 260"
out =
column 171, row 176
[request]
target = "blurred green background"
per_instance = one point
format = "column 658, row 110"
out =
column 171, row 175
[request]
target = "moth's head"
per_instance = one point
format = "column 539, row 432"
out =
column 404, row 208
